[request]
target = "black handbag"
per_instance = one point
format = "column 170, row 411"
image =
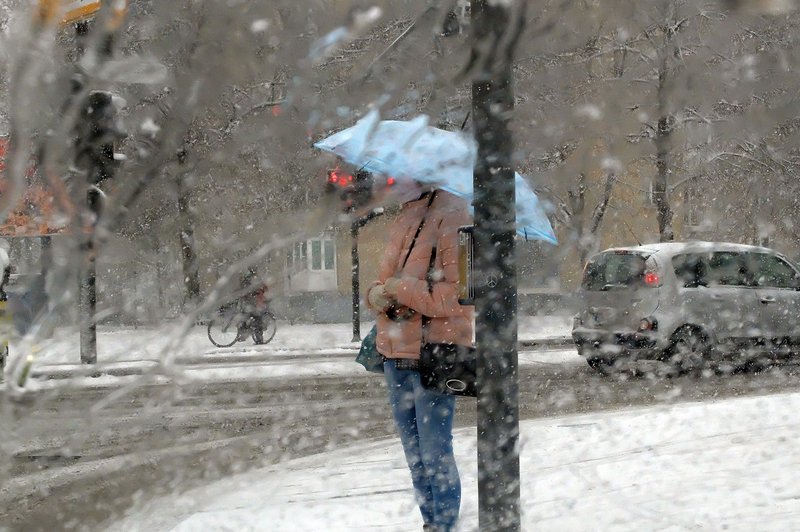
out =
column 449, row 368
column 446, row 368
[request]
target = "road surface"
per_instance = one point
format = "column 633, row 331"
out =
column 74, row 458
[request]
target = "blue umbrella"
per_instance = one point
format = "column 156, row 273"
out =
column 445, row 159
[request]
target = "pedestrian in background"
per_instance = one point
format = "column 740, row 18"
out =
column 416, row 299
column 254, row 302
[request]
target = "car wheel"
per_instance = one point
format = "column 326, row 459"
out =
column 688, row 350
column 599, row 364
column 592, row 355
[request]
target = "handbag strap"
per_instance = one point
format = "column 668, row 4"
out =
column 429, row 278
column 425, row 319
column 419, row 229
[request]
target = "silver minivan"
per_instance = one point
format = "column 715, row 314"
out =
column 687, row 304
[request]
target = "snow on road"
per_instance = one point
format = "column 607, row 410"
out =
column 116, row 344
column 727, row 465
column 125, row 352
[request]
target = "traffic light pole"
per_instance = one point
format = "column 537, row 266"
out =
column 88, row 303
column 94, row 155
column 356, row 285
column 494, row 263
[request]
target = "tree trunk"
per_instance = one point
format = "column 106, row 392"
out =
column 662, row 142
column 600, row 210
column 160, row 269
column 191, row 273
column 577, row 200
column 589, row 243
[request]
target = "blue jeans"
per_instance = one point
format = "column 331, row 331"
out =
column 424, row 420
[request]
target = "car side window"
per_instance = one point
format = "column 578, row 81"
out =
column 721, row 268
column 691, row 270
column 774, row 272
column 728, row 268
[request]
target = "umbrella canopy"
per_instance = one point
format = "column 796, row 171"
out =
column 445, row 159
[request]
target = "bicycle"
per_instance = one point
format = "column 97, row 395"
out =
column 234, row 324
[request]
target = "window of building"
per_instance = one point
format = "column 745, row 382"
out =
column 296, row 258
column 323, row 256
column 316, row 254
column 329, row 254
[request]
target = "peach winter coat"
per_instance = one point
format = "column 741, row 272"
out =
column 438, row 300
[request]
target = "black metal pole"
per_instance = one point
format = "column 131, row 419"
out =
column 94, row 154
column 496, row 290
column 354, row 227
column 356, row 288
column 87, row 303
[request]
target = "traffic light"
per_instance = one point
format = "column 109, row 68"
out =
column 96, row 134
column 362, row 190
column 338, row 180
column 341, row 184
column 356, row 191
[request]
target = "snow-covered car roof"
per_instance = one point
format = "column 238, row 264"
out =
column 669, row 249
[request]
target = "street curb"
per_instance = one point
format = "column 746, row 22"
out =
column 70, row 371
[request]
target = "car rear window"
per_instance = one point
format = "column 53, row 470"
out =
column 719, row 268
column 615, row 270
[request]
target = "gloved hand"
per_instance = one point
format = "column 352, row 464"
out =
column 378, row 299
column 391, row 286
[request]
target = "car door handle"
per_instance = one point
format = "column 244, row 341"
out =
column 767, row 299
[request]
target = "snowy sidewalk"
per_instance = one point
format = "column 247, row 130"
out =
column 125, row 351
column 728, row 465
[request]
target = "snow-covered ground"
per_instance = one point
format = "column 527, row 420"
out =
column 124, row 352
column 727, row 465
column 116, row 344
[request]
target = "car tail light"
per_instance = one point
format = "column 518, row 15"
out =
column 651, row 279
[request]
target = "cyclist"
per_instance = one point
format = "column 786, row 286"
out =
column 5, row 314
column 254, row 302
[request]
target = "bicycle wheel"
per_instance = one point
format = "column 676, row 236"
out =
column 223, row 330
column 270, row 324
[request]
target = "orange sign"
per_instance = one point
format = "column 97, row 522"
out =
column 70, row 11
column 34, row 213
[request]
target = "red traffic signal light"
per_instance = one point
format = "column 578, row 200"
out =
column 339, row 178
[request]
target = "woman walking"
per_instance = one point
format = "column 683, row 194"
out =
column 416, row 299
